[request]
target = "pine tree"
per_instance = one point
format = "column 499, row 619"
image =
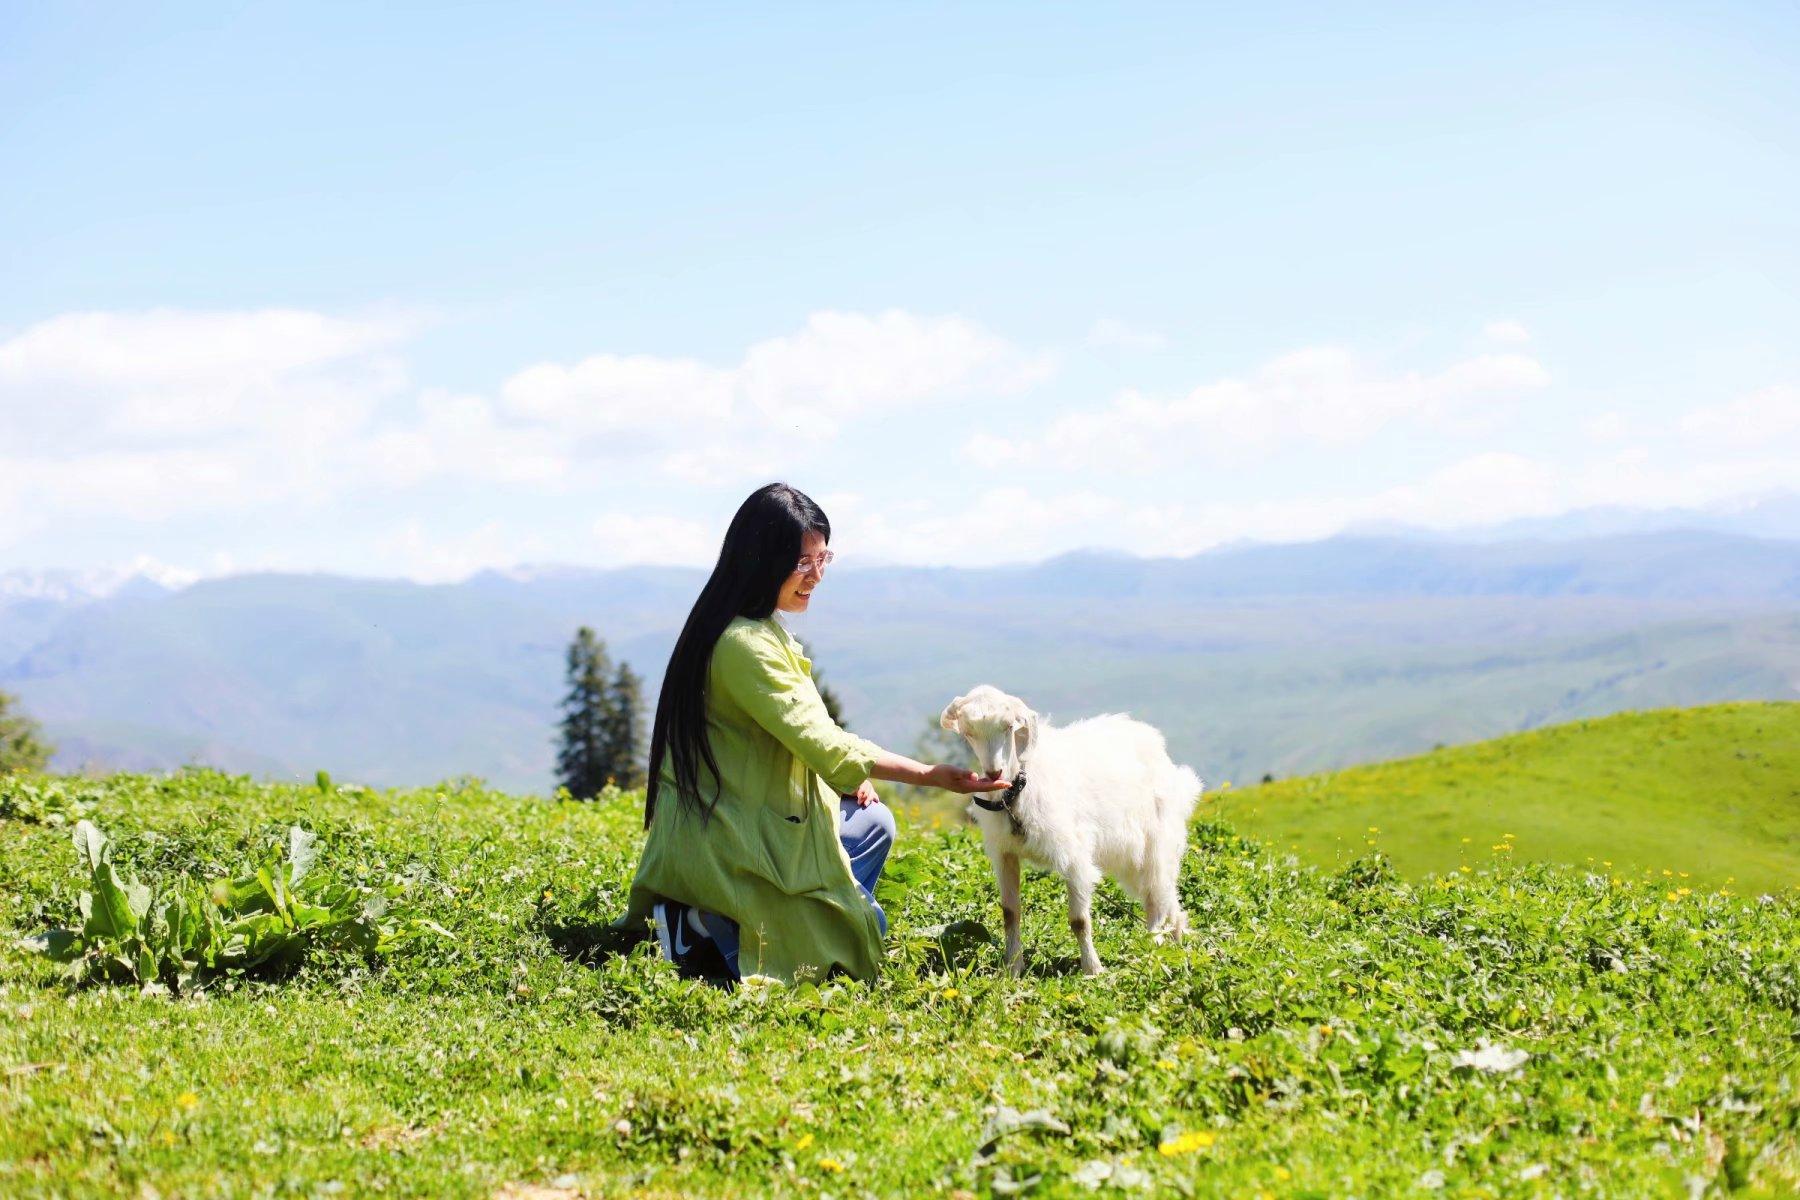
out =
column 582, row 760
column 22, row 747
column 623, row 738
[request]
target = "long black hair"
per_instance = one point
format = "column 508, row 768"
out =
column 761, row 547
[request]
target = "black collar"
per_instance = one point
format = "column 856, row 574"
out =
column 1006, row 801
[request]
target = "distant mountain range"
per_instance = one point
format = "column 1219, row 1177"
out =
column 1254, row 659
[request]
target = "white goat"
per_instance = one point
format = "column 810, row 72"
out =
column 1100, row 795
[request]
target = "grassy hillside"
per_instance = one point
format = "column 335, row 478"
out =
column 1708, row 796
column 1518, row 1031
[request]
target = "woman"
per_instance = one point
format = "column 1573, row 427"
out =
column 765, row 833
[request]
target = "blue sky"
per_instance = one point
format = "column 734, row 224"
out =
column 407, row 290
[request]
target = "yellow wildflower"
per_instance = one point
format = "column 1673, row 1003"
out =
column 832, row 1165
column 806, row 1139
column 188, row 1100
column 1282, row 1174
column 1166, row 1064
column 949, row 993
column 1673, row 896
column 1186, row 1143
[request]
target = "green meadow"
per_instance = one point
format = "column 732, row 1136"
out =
column 1710, row 796
column 1344, row 1020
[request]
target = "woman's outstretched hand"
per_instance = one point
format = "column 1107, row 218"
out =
column 955, row 779
column 865, row 794
column 898, row 768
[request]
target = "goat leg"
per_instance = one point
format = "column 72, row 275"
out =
column 1008, row 871
column 1081, row 924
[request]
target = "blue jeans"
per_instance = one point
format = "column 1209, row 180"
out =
column 867, row 834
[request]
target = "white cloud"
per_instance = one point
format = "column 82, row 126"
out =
column 608, row 393
column 1323, row 394
column 624, row 538
column 1507, row 332
column 702, row 463
column 113, row 418
column 174, row 374
column 985, row 528
column 1110, row 333
column 843, row 364
column 147, row 416
column 1764, row 417
column 838, row 366
column 429, row 558
column 1611, row 426
column 448, row 435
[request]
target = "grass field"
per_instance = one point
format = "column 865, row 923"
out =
column 1519, row 1030
column 1705, row 795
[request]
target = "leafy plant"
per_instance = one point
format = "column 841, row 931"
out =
column 181, row 934
column 44, row 801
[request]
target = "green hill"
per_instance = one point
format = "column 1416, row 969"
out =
column 1706, row 796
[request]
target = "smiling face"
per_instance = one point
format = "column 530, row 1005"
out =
column 796, row 592
column 999, row 728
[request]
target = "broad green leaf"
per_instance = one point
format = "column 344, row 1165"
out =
column 146, row 965
column 257, row 939
column 273, row 887
column 111, row 915
column 244, row 893
column 137, row 895
column 309, row 915
column 302, row 852
column 90, row 844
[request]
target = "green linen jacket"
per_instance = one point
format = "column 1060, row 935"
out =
column 769, row 857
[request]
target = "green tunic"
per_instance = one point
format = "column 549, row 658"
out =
column 769, row 858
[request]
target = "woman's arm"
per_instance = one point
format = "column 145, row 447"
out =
column 761, row 680
column 897, row 768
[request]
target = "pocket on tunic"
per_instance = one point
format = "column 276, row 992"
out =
column 793, row 852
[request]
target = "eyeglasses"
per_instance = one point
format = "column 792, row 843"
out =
column 807, row 562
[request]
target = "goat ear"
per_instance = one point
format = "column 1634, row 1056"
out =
column 1031, row 729
column 951, row 715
